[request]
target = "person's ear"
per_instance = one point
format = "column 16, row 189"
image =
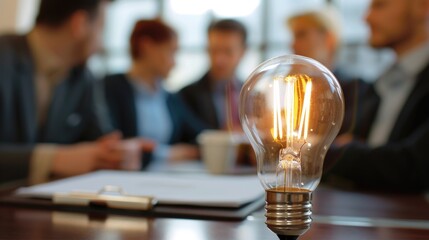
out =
column 420, row 9
column 244, row 49
column 425, row 8
column 331, row 41
column 78, row 24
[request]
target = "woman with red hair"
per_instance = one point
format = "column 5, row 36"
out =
column 140, row 106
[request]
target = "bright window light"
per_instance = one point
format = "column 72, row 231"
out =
column 189, row 7
column 221, row 8
column 236, row 8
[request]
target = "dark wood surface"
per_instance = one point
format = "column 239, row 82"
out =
column 338, row 215
column 331, row 201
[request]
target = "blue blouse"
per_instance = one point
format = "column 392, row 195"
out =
column 153, row 117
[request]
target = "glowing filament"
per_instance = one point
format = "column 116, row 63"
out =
column 289, row 104
column 278, row 128
column 305, row 114
column 291, row 117
column 285, row 112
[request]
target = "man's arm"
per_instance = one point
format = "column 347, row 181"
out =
column 400, row 166
column 14, row 162
column 95, row 113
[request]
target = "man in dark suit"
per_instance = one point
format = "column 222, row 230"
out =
column 389, row 147
column 47, row 97
column 214, row 98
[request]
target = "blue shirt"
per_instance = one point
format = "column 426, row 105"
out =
column 153, row 117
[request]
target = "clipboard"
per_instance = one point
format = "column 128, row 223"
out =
column 95, row 197
column 118, row 200
column 158, row 210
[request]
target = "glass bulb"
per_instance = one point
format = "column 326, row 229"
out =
column 291, row 109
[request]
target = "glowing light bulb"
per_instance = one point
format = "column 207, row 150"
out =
column 291, row 109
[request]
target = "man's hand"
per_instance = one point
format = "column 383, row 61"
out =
column 183, row 152
column 343, row 139
column 108, row 152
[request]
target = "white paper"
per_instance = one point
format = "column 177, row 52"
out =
column 181, row 189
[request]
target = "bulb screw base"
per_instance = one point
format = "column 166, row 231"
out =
column 288, row 213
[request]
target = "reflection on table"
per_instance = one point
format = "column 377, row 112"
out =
column 337, row 214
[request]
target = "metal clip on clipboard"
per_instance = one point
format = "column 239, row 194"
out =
column 117, row 199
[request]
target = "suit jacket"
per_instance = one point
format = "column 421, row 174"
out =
column 401, row 164
column 121, row 106
column 353, row 91
column 71, row 117
column 199, row 98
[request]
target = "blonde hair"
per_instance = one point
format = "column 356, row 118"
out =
column 326, row 19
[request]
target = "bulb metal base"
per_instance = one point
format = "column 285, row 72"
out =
column 288, row 213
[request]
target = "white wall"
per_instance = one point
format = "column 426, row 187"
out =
column 8, row 12
column 17, row 15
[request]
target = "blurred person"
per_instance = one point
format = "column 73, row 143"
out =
column 214, row 98
column 47, row 110
column 388, row 149
column 316, row 34
column 140, row 106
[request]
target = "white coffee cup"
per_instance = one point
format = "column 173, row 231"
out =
column 218, row 150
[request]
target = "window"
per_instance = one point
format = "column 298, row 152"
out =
column 265, row 20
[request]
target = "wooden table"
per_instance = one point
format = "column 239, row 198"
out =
column 337, row 215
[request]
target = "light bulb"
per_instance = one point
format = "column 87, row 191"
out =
column 291, row 109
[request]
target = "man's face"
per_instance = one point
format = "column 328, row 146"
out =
column 310, row 41
column 225, row 49
column 391, row 22
column 91, row 40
